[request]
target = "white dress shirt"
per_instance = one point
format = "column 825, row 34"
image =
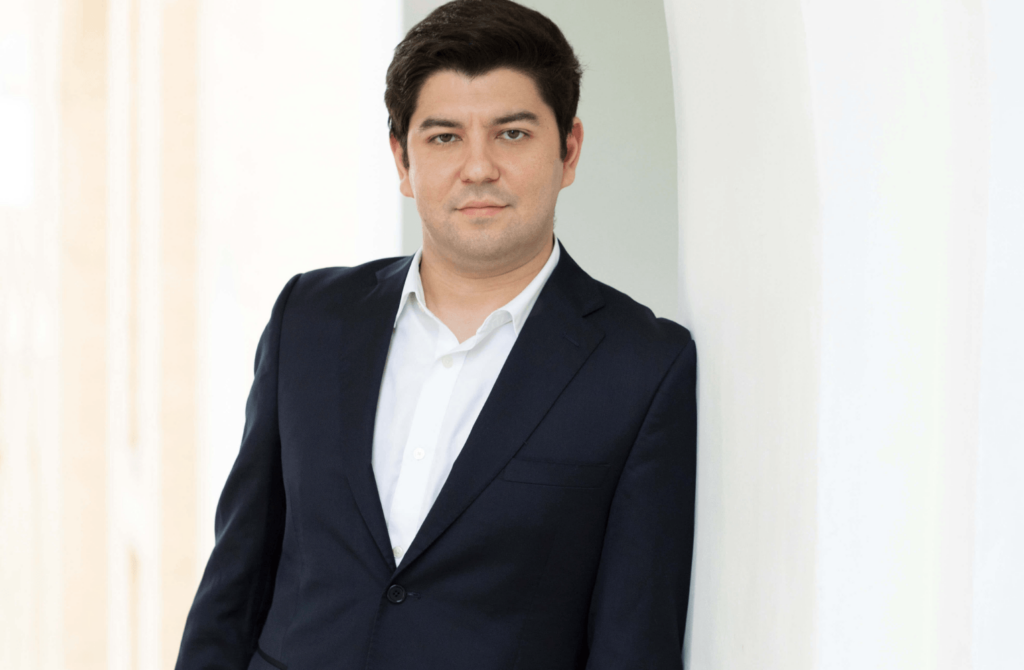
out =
column 432, row 391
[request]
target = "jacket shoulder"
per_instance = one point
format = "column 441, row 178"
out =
column 339, row 283
column 630, row 322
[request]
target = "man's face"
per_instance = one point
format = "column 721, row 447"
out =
column 485, row 168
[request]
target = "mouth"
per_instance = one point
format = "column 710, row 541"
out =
column 481, row 209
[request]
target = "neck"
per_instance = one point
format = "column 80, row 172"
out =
column 462, row 299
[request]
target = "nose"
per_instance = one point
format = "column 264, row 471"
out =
column 479, row 166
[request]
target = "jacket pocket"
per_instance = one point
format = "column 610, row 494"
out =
column 547, row 473
column 264, row 661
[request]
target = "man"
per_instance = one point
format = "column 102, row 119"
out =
column 477, row 457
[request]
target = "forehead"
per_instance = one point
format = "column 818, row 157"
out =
column 450, row 94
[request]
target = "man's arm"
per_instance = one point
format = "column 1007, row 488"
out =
column 638, row 610
column 229, row 610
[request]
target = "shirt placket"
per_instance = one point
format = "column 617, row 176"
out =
column 420, row 450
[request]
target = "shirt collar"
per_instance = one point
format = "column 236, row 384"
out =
column 518, row 308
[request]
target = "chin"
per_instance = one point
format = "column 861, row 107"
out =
column 487, row 250
column 483, row 248
column 485, row 240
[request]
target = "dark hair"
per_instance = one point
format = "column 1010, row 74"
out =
column 473, row 37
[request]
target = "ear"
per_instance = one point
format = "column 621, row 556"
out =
column 573, row 144
column 403, row 172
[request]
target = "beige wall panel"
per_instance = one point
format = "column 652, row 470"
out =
column 83, row 331
column 134, row 220
column 178, row 244
column 31, row 610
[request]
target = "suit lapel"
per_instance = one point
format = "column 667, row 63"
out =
column 365, row 349
column 554, row 343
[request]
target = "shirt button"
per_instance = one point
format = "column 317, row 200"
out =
column 396, row 593
column 419, row 454
column 398, row 551
column 446, row 361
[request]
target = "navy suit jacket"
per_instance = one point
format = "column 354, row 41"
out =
column 562, row 538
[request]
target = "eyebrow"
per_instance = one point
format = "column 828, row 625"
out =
column 518, row 116
column 432, row 122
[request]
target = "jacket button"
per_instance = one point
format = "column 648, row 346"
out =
column 396, row 593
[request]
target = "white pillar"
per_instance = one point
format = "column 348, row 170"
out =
column 750, row 285
column 842, row 169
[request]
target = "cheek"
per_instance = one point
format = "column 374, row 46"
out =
column 547, row 183
column 424, row 183
column 539, row 178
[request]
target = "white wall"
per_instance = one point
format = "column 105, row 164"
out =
column 843, row 170
column 998, row 580
column 901, row 119
column 295, row 174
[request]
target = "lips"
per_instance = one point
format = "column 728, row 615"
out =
column 480, row 204
column 481, row 208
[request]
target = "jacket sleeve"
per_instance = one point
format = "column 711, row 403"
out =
column 234, row 596
column 638, row 609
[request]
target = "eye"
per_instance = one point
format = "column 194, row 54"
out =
column 513, row 134
column 443, row 138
